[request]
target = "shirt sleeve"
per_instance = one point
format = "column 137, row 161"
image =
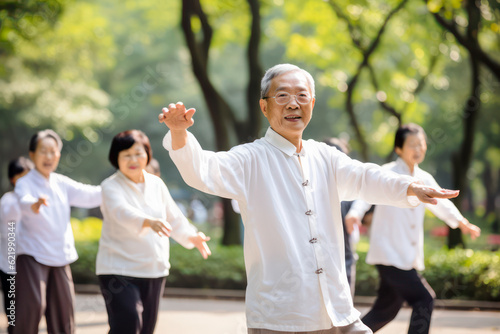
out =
column 119, row 210
column 10, row 210
column 216, row 173
column 23, row 193
column 444, row 209
column 359, row 208
column 82, row 195
column 182, row 229
column 372, row 183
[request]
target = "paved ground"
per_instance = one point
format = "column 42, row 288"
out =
column 209, row 316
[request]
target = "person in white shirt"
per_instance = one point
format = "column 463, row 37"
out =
column 397, row 240
column 10, row 217
column 139, row 216
column 45, row 242
column 289, row 192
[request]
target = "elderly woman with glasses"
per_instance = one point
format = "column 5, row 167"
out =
column 45, row 242
column 139, row 216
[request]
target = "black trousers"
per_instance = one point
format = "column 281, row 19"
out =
column 6, row 288
column 397, row 286
column 132, row 303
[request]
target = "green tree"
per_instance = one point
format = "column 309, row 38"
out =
column 468, row 21
column 198, row 33
column 393, row 62
column 49, row 57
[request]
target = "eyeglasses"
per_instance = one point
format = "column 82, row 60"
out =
column 133, row 156
column 282, row 98
column 47, row 153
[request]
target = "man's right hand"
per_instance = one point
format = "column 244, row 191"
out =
column 177, row 119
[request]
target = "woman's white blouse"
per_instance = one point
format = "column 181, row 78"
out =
column 397, row 234
column 128, row 249
column 48, row 236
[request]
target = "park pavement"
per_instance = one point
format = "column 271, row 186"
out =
column 181, row 315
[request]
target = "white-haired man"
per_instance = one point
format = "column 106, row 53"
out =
column 289, row 192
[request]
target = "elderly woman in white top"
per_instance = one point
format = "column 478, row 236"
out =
column 397, row 240
column 139, row 216
column 45, row 242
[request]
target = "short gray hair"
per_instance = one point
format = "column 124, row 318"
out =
column 280, row 69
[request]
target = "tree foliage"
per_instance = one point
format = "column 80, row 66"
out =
column 90, row 69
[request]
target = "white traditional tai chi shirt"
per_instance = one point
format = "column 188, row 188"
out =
column 397, row 234
column 290, row 206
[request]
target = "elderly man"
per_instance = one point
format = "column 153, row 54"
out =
column 289, row 192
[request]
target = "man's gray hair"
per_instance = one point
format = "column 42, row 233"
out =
column 280, row 69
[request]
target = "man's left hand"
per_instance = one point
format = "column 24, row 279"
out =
column 428, row 194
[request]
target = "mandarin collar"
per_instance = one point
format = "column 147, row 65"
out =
column 282, row 144
column 39, row 177
column 402, row 164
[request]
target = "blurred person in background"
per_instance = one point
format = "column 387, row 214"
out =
column 45, row 242
column 139, row 216
column 10, row 218
column 351, row 232
column 153, row 167
column 397, row 239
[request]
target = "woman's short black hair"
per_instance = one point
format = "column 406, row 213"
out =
column 18, row 166
column 125, row 140
column 48, row 133
column 404, row 131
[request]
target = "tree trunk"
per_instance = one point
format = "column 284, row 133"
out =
column 217, row 106
column 252, row 126
column 232, row 227
column 367, row 53
column 489, row 187
column 462, row 159
column 223, row 117
column 495, row 227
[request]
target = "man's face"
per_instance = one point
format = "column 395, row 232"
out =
column 290, row 119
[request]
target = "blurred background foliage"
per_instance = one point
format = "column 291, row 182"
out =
column 453, row 274
column 90, row 69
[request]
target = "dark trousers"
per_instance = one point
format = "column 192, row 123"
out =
column 7, row 294
column 132, row 303
column 397, row 286
column 42, row 289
